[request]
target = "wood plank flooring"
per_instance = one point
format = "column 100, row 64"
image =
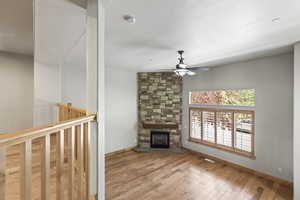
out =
column 156, row 176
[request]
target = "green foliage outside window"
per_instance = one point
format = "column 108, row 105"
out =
column 244, row 97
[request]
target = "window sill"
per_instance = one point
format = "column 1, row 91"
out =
column 224, row 148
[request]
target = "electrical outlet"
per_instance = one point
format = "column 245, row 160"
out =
column 280, row 170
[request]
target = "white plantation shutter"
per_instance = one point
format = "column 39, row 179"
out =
column 224, row 128
column 230, row 129
column 196, row 121
column 208, row 126
column 243, row 131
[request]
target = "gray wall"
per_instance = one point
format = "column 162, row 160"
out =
column 121, row 109
column 272, row 78
column 296, row 121
column 16, row 86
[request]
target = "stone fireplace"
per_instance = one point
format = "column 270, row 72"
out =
column 159, row 107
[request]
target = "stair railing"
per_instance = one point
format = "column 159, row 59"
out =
column 71, row 163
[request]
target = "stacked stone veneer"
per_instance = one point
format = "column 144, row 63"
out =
column 159, row 102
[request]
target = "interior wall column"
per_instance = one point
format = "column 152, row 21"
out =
column 94, row 91
column 296, row 121
column 101, row 100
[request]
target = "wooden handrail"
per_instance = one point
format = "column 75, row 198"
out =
column 73, row 154
column 8, row 139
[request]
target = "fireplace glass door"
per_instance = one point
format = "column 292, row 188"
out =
column 160, row 139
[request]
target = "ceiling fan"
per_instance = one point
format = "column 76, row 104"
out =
column 183, row 69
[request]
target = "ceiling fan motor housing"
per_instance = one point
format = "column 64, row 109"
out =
column 181, row 52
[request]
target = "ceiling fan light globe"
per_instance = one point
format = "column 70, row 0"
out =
column 181, row 72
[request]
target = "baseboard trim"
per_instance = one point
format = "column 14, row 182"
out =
column 252, row 171
column 107, row 155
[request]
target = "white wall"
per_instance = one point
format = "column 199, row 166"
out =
column 59, row 26
column 73, row 75
column 16, row 85
column 272, row 78
column 296, row 121
column 73, row 85
column 121, row 110
column 46, row 93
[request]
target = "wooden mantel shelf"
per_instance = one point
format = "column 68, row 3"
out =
column 159, row 126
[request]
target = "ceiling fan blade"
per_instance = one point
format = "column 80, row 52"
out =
column 166, row 70
column 203, row 68
column 190, row 73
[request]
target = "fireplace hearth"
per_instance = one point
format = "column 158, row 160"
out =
column 160, row 139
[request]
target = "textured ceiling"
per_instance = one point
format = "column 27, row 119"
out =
column 16, row 26
column 60, row 25
column 208, row 30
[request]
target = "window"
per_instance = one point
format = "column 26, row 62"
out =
column 244, row 97
column 231, row 130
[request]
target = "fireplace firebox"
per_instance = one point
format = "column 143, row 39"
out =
column 160, row 139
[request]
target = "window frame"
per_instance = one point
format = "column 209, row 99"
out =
column 231, row 149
